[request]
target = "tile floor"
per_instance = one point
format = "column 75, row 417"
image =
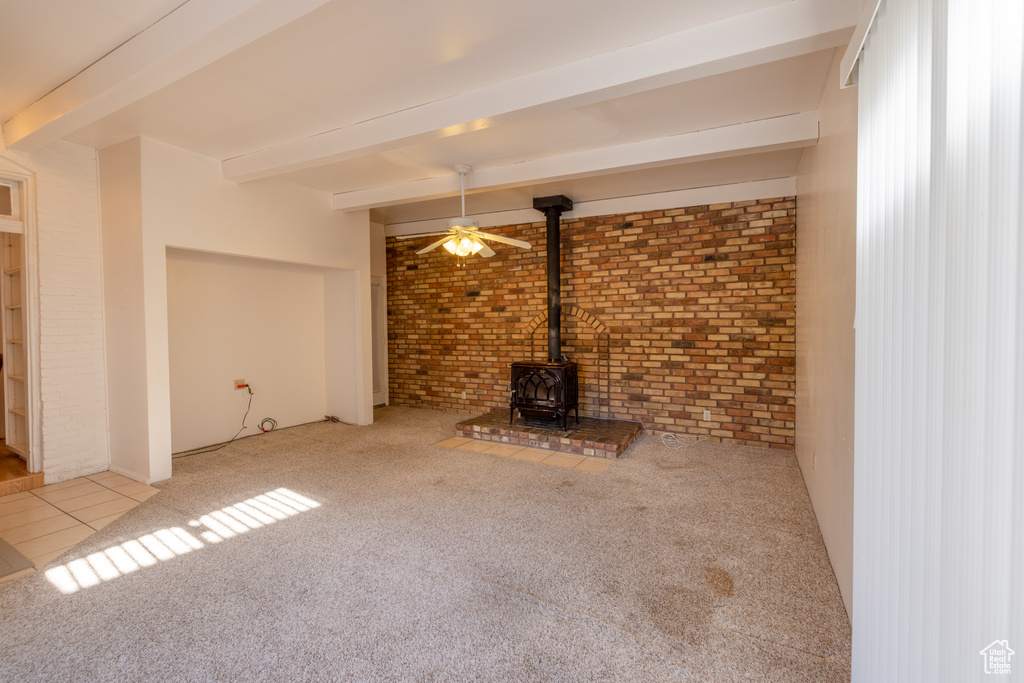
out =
column 571, row 460
column 43, row 523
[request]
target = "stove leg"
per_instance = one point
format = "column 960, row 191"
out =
column 511, row 415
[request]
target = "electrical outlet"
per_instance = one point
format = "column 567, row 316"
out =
column 240, row 384
column 707, row 415
column 463, row 394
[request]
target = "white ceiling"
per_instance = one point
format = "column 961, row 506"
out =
column 377, row 98
column 43, row 43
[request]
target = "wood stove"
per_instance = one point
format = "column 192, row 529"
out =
column 548, row 389
column 545, row 390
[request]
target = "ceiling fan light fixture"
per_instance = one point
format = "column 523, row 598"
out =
column 463, row 247
column 464, row 237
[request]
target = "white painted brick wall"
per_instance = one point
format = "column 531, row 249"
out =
column 71, row 353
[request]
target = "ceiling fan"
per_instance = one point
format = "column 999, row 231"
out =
column 463, row 237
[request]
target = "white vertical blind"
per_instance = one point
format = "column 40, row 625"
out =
column 939, row 454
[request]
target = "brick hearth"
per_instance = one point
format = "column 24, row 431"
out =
column 592, row 437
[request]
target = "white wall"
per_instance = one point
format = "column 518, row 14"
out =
column 121, row 198
column 825, row 291
column 347, row 337
column 70, row 397
column 231, row 318
column 187, row 205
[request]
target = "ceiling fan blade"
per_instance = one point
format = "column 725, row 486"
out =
column 420, row 234
column 435, row 245
column 486, row 252
column 505, row 240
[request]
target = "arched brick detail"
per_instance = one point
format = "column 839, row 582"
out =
column 538, row 320
column 575, row 311
column 586, row 340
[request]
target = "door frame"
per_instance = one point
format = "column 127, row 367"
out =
column 14, row 173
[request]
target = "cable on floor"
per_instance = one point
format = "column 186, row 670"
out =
column 217, row 448
column 673, row 441
column 668, row 439
column 185, row 454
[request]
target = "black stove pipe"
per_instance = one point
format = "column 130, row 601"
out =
column 552, row 207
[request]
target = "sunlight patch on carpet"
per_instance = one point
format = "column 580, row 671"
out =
column 167, row 544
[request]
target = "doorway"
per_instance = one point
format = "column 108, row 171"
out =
column 379, row 325
column 15, row 422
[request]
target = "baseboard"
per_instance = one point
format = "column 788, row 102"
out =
column 125, row 472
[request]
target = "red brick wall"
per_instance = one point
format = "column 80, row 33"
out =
column 668, row 313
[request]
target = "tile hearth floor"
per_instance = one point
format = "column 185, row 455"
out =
column 43, row 523
column 559, row 459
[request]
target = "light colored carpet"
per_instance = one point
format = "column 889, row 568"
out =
column 428, row 563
